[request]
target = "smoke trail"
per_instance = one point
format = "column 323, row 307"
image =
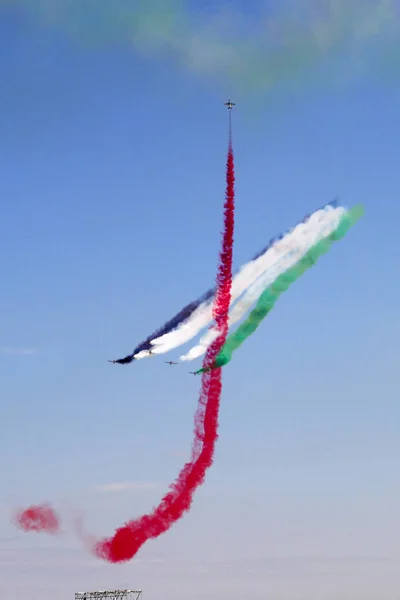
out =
column 196, row 315
column 278, row 259
column 142, row 350
column 271, row 44
column 128, row 539
column 247, row 275
column 268, row 298
column 38, row 518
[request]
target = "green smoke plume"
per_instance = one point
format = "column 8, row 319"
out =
column 253, row 47
column 267, row 300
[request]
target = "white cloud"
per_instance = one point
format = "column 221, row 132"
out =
column 17, row 351
column 125, row 486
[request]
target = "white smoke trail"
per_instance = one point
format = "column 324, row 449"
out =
column 251, row 295
column 289, row 246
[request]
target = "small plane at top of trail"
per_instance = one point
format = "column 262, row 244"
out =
column 170, row 362
column 230, row 104
column 193, row 372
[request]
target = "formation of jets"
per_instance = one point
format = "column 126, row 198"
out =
column 130, row 358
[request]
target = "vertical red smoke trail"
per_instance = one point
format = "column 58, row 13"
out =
column 128, row 539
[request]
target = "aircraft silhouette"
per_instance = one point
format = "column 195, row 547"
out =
column 127, row 359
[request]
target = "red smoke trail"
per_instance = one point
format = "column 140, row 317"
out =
column 38, row 518
column 128, row 539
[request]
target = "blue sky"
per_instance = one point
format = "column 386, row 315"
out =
column 111, row 193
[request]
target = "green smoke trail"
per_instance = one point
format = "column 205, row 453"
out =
column 267, row 300
column 255, row 47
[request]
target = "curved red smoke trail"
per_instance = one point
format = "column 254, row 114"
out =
column 127, row 540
